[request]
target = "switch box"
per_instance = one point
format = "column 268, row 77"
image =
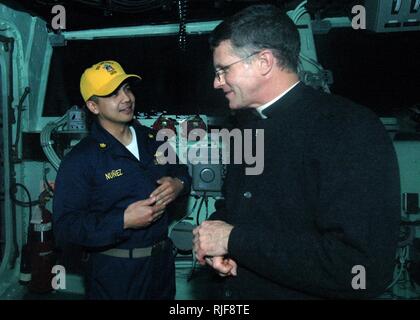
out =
column 392, row 15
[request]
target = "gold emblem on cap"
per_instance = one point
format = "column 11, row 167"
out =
column 102, row 145
column 108, row 67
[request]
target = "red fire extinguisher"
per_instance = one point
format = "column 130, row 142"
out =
column 42, row 248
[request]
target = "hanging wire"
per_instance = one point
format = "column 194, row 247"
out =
column 204, row 196
column 182, row 10
column 21, row 203
column 19, row 118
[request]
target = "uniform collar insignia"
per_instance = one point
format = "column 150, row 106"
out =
column 159, row 158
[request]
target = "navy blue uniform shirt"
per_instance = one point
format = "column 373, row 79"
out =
column 98, row 179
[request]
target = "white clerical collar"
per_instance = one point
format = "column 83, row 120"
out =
column 266, row 105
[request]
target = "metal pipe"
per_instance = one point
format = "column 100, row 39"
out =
column 8, row 44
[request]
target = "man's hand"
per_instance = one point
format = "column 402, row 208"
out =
column 224, row 266
column 142, row 213
column 168, row 190
column 211, row 239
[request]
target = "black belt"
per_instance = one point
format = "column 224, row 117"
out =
column 133, row 253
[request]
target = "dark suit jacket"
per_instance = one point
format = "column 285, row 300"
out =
column 327, row 202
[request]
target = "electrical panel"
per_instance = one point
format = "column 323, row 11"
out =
column 392, row 15
column 202, row 156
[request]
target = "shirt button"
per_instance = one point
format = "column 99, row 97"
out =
column 248, row 195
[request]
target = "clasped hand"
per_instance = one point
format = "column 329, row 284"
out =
column 143, row 213
column 211, row 246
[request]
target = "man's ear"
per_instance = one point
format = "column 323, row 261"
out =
column 266, row 61
column 92, row 106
